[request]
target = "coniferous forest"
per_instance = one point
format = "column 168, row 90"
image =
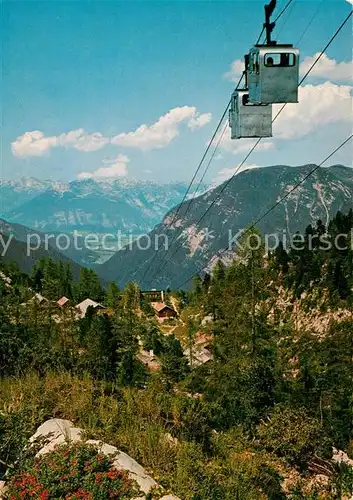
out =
column 264, row 415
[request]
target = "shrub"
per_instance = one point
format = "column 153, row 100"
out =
column 70, row 472
column 292, row 434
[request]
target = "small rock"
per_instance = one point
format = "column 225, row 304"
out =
column 56, row 431
column 340, row 456
column 170, row 439
column 206, row 320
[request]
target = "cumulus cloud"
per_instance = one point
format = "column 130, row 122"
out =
column 236, row 70
column 113, row 169
column 35, row 143
column 327, row 68
column 78, row 139
column 236, row 146
column 319, row 105
column 163, row 131
column 199, row 121
column 157, row 135
column 226, row 173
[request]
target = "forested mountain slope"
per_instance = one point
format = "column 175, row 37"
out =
column 267, row 415
column 249, row 195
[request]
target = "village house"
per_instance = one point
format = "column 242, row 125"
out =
column 201, row 351
column 36, row 299
column 149, row 360
column 153, row 295
column 85, row 304
column 163, row 311
column 64, row 301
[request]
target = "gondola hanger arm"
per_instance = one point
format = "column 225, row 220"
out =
column 269, row 27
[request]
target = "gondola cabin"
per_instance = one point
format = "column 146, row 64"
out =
column 272, row 74
column 249, row 120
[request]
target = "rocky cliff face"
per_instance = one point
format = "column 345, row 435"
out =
column 248, row 196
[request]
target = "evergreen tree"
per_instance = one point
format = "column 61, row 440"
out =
column 113, row 296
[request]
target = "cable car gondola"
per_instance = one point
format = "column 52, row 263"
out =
column 272, row 74
column 249, row 120
column 272, row 70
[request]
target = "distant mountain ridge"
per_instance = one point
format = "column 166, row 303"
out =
column 14, row 193
column 22, row 234
column 88, row 205
column 17, row 250
column 248, row 195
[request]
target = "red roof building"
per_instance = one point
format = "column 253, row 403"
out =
column 162, row 310
column 63, row 301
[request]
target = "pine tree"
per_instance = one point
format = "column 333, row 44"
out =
column 113, row 296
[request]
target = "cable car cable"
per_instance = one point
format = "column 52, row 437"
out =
column 277, row 115
column 277, row 18
column 207, row 149
column 278, row 33
column 220, row 138
column 164, row 262
column 194, row 196
column 275, row 205
column 190, row 184
column 259, row 140
column 310, row 22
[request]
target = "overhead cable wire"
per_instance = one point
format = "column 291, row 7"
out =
column 226, row 184
column 190, row 184
column 210, row 161
column 288, row 193
column 277, row 18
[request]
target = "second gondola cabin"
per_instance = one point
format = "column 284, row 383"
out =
column 249, row 120
column 272, row 74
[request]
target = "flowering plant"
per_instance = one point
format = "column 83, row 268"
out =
column 70, row 472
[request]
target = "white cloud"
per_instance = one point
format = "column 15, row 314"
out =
column 236, row 70
column 226, row 173
column 319, row 105
column 157, row 135
column 35, row 143
column 199, row 121
column 349, row 1
column 163, row 131
column 81, row 141
column 236, row 146
column 32, row 143
column 115, row 168
column 328, row 69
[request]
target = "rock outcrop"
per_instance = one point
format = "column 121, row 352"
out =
column 58, row 431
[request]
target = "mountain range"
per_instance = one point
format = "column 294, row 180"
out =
column 17, row 249
column 55, row 248
column 248, row 195
column 88, row 206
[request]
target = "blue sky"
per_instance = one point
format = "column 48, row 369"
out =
column 77, row 68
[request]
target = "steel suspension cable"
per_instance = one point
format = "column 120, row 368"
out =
column 226, row 184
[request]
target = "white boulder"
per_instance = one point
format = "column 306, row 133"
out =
column 122, row 461
column 57, row 431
